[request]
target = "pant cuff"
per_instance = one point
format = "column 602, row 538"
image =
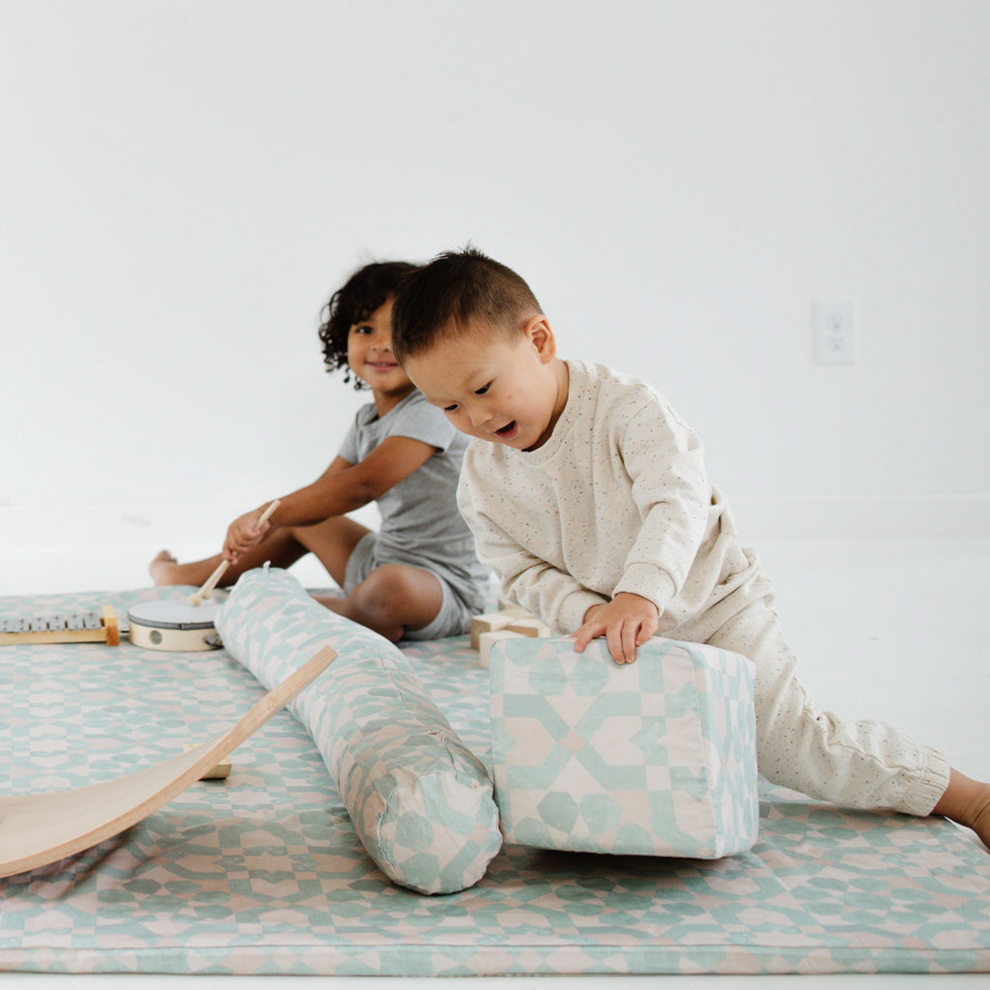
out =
column 926, row 785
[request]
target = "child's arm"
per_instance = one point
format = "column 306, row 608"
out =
column 668, row 484
column 665, row 462
column 627, row 621
column 342, row 488
column 555, row 596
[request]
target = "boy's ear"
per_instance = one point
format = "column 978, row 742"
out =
column 540, row 335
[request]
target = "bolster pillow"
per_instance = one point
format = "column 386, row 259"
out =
column 654, row 758
column 420, row 801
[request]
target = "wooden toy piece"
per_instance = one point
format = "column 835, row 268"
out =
column 109, row 618
column 206, row 591
column 529, row 626
column 488, row 639
column 219, row 772
column 502, row 619
column 508, row 605
column 39, row 829
column 488, row 622
column 85, row 627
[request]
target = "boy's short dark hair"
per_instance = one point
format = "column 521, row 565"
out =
column 354, row 301
column 457, row 289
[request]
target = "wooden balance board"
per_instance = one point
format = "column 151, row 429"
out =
column 39, row 829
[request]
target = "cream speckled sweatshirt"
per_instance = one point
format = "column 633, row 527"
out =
column 616, row 500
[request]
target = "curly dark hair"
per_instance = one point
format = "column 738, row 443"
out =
column 354, row 301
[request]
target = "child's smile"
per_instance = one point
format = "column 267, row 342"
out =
column 508, row 432
column 369, row 356
column 382, row 367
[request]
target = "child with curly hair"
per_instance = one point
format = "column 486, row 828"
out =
column 418, row 576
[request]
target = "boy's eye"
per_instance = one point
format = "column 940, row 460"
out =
column 483, row 389
column 449, row 409
column 363, row 329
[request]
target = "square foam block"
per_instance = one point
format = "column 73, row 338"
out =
column 652, row 758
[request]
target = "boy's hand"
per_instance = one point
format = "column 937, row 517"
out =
column 626, row 622
column 244, row 533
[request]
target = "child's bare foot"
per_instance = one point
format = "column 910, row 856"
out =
column 162, row 568
column 977, row 815
column 981, row 824
column 967, row 802
column 165, row 569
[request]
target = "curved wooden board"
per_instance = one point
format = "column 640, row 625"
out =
column 39, row 829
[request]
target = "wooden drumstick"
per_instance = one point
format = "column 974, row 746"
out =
column 196, row 598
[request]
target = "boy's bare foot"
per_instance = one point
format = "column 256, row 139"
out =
column 162, row 568
column 967, row 802
column 978, row 814
column 981, row 824
column 165, row 569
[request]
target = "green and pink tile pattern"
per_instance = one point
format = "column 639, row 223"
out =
column 264, row 873
column 653, row 758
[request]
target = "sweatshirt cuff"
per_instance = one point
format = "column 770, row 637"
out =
column 648, row 581
column 570, row 618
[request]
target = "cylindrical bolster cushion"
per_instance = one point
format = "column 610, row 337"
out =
column 420, row 801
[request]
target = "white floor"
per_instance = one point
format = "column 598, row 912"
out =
column 889, row 629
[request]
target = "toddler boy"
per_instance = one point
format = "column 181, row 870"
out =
column 588, row 496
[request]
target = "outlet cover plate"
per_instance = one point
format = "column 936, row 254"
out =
column 836, row 331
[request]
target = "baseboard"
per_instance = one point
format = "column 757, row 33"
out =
column 771, row 518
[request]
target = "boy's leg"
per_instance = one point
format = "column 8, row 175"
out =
column 332, row 541
column 864, row 764
column 282, row 549
column 392, row 600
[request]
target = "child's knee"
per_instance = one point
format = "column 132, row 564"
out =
column 382, row 592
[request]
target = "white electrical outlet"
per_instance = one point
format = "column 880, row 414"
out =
column 836, row 325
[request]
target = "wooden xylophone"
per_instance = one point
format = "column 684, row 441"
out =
column 77, row 627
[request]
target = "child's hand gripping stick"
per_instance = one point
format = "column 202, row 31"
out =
column 196, row 598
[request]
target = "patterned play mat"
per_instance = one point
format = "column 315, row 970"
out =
column 263, row 873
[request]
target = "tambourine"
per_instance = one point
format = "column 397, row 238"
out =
column 183, row 627
column 176, row 626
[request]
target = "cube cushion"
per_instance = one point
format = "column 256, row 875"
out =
column 655, row 758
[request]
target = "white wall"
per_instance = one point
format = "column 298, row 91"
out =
column 184, row 183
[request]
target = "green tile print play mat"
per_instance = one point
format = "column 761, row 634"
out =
column 263, row 873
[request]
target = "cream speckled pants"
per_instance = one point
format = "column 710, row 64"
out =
column 864, row 764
